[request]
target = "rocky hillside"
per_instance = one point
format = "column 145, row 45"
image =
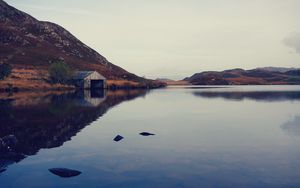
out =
column 259, row 76
column 26, row 42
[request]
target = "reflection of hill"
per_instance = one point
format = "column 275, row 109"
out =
column 253, row 95
column 53, row 121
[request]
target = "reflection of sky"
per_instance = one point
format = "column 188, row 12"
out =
column 199, row 142
column 258, row 96
column 258, row 93
column 292, row 127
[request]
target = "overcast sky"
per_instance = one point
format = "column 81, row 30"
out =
column 176, row 38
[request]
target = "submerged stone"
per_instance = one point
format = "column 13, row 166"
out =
column 146, row 134
column 64, row 172
column 118, row 138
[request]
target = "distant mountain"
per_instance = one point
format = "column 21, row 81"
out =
column 26, row 42
column 276, row 69
column 258, row 76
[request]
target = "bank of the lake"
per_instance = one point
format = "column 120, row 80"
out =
column 38, row 80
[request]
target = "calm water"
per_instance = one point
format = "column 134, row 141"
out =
column 245, row 136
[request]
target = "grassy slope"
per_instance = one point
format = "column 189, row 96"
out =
column 29, row 45
column 34, row 79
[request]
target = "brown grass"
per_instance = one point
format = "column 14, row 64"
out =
column 246, row 80
column 122, row 83
column 177, row 83
column 30, row 79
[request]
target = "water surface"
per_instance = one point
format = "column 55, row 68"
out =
column 246, row 136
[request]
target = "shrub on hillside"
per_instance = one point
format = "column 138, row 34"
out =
column 5, row 70
column 60, row 72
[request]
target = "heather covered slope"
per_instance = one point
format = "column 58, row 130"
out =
column 26, row 42
column 259, row 76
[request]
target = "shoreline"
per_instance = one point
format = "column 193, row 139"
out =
column 38, row 80
column 73, row 89
column 117, row 87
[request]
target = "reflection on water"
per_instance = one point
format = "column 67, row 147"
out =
column 28, row 126
column 254, row 95
column 292, row 127
column 223, row 137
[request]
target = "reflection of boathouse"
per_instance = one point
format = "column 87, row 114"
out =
column 48, row 121
column 89, row 80
column 90, row 97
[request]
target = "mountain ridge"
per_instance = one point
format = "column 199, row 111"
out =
column 26, row 42
column 277, row 69
column 258, row 76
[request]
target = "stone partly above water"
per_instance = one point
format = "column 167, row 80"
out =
column 118, row 138
column 146, row 134
column 64, row 172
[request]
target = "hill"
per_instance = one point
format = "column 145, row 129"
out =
column 276, row 69
column 258, row 76
column 27, row 43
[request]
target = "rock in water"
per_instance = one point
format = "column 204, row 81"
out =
column 146, row 134
column 118, row 138
column 64, row 172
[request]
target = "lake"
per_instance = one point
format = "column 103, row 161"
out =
column 235, row 136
